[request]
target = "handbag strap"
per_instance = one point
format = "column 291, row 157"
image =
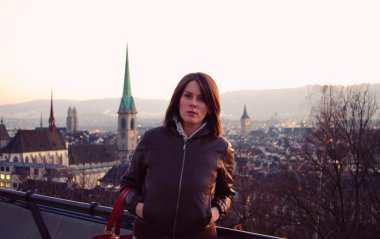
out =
column 116, row 214
column 119, row 215
column 112, row 217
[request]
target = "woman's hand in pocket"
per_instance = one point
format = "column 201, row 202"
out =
column 214, row 215
column 139, row 210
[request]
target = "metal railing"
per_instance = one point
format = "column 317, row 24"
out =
column 91, row 212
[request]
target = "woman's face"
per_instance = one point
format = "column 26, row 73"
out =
column 192, row 107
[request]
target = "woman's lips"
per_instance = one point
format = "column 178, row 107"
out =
column 192, row 113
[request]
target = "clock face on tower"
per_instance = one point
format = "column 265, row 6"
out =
column 131, row 134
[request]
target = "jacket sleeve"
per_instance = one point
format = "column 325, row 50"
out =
column 224, row 182
column 134, row 178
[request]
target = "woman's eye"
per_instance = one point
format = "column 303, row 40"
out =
column 201, row 99
column 188, row 96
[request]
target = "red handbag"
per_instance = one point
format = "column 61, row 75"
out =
column 115, row 218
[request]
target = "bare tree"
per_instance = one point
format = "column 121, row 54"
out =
column 336, row 194
column 242, row 208
column 259, row 206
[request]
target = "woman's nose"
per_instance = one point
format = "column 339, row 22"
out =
column 193, row 102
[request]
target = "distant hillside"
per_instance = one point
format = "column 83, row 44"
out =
column 102, row 113
column 108, row 106
column 263, row 104
column 93, row 114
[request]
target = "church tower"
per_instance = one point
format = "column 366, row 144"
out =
column 52, row 127
column 72, row 120
column 245, row 123
column 127, row 120
column 75, row 120
column 69, row 121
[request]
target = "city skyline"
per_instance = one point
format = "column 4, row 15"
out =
column 78, row 48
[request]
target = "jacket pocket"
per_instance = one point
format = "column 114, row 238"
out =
column 146, row 208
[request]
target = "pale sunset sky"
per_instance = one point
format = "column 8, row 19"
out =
column 78, row 47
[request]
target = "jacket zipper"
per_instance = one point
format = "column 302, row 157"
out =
column 180, row 186
column 185, row 138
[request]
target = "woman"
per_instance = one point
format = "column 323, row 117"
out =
column 181, row 172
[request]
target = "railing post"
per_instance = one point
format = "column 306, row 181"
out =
column 37, row 217
column 92, row 207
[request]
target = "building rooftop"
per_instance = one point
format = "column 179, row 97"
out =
column 3, row 132
column 114, row 174
column 91, row 153
column 34, row 141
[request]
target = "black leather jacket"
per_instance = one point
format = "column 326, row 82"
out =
column 179, row 180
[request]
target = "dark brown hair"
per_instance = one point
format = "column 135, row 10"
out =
column 209, row 91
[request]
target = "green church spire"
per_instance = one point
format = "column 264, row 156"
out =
column 127, row 103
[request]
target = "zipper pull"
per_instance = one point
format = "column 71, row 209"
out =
column 184, row 145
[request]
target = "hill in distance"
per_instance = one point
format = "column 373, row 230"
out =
column 261, row 105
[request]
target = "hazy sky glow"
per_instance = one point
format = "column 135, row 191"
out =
column 79, row 46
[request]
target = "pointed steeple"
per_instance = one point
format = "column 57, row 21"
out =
column 127, row 103
column 41, row 120
column 52, row 127
column 245, row 114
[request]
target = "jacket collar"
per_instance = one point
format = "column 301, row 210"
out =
column 181, row 131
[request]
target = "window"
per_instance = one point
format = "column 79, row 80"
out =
column 2, row 176
column 123, row 124
column 15, row 159
column 7, row 169
column 2, row 168
column 26, row 159
column 132, row 124
column 36, row 171
column 7, row 185
column 2, row 184
column 8, row 177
